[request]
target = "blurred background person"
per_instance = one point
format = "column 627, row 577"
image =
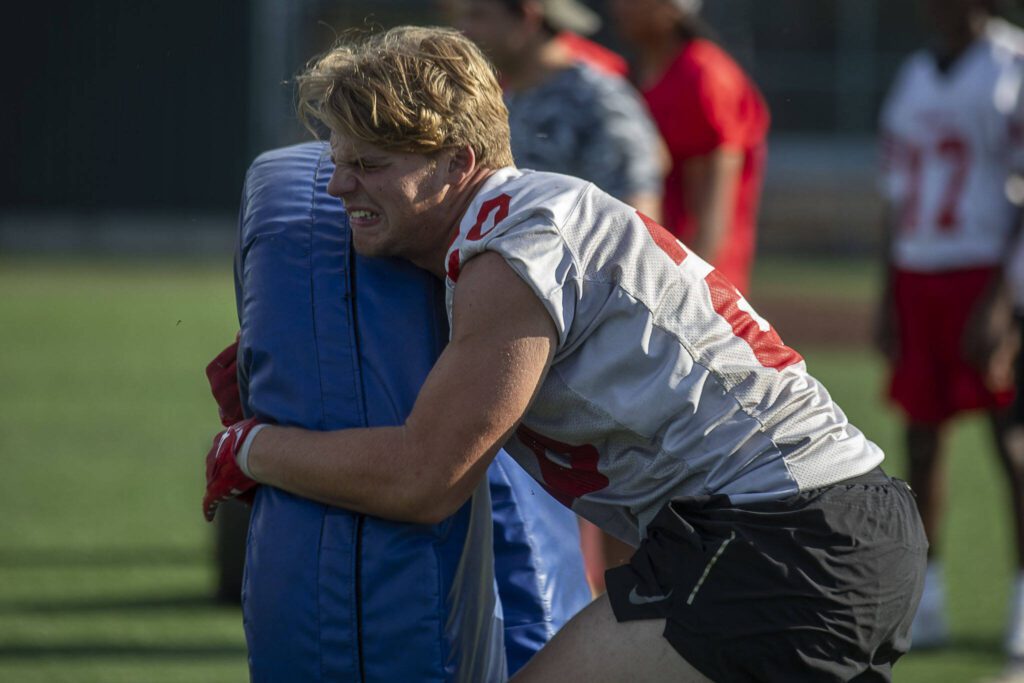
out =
column 951, row 135
column 714, row 122
column 566, row 115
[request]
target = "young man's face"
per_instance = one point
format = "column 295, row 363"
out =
column 396, row 202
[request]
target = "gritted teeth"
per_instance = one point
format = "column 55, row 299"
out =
column 362, row 214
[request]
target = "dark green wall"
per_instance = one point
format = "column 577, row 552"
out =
column 133, row 105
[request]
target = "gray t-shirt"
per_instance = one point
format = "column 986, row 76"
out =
column 587, row 124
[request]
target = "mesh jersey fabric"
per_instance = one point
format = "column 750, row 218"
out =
column 665, row 382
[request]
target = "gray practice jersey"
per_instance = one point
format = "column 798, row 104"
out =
column 590, row 125
column 665, row 382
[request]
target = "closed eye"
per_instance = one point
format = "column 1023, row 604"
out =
column 358, row 165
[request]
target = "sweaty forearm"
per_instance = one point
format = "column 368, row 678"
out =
column 373, row 470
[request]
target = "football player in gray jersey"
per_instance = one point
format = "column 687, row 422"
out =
column 624, row 373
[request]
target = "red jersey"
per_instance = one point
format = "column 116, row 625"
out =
column 593, row 54
column 702, row 102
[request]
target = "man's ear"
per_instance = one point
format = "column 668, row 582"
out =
column 461, row 163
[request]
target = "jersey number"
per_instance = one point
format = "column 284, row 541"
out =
column 951, row 151
column 564, row 483
column 495, row 205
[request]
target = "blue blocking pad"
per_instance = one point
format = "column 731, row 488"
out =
column 331, row 340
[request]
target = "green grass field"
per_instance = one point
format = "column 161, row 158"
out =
column 105, row 561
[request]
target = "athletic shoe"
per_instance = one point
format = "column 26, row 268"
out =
column 930, row 629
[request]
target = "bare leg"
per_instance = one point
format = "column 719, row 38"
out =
column 593, row 647
column 1009, row 438
column 924, row 445
column 616, row 552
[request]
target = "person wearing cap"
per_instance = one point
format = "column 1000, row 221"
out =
column 714, row 122
column 567, row 116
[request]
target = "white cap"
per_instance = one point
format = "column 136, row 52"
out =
column 691, row 6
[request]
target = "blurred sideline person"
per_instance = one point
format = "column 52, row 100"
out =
column 1014, row 284
column 626, row 375
column 952, row 137
column 567, row 114
column 714, row 121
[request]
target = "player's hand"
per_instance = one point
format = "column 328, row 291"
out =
column 224, row 478
column 222, row 373
column 886, row 337
column 991, row 340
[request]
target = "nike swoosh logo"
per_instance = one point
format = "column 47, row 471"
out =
column 637, row 599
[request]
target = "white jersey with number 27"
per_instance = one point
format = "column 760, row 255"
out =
column 951, row 140
column 665, row 383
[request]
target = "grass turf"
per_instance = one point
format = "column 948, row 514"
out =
column 105, row 562
column 105, row 565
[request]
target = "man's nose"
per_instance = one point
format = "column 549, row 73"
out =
column 342, row 182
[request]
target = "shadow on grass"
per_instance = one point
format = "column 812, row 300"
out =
column 968, row 645
column 148, row 603
column 102, row 651
column 120, row 557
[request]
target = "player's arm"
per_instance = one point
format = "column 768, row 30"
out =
column 886, row 330
column 502, row 344
column 991, row 337
column 710, row 185
column 647, row 203
column 892, row 190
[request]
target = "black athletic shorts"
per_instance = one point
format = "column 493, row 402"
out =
column 820, row 586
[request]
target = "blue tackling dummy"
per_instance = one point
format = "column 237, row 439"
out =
column 331, row 340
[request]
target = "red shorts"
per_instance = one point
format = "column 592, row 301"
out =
column 931, row 379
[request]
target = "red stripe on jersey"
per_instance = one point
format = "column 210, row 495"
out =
column 766, row 344
column 453, row 266
column 664, row 239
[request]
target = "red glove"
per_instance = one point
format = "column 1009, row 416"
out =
column 222, row 372
column 224, row 478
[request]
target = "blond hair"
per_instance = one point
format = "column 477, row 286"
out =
column 409, row 89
